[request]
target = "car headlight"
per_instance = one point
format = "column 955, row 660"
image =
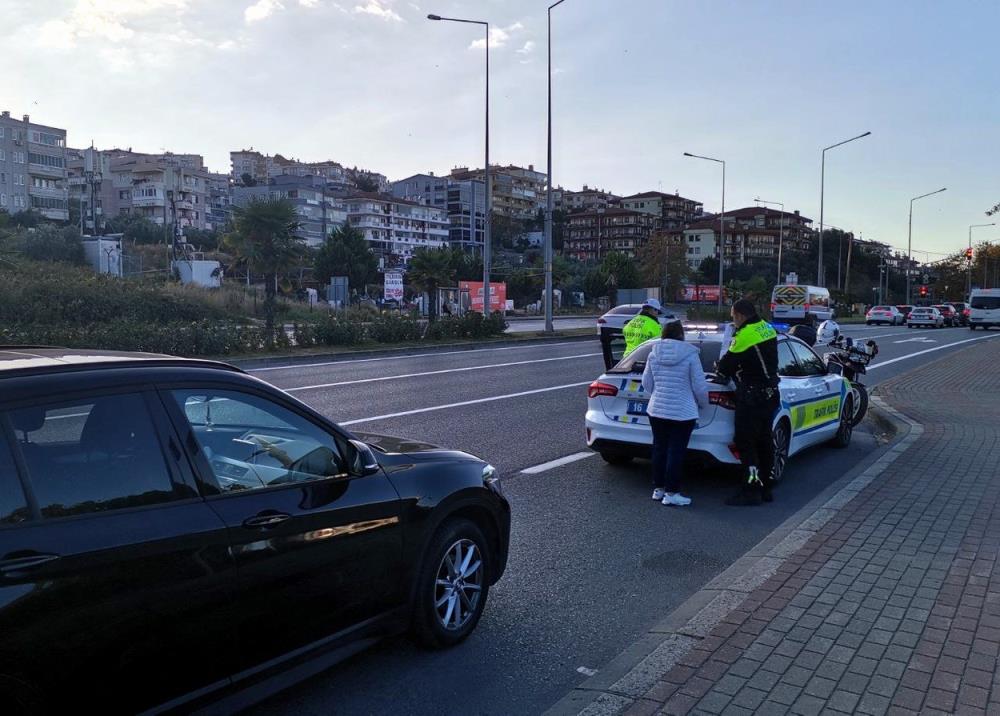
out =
column 490, row 478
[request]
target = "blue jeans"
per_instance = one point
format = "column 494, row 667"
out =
column 670, row 441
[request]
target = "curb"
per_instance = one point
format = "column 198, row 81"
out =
column 630, row 675
column 293, row 359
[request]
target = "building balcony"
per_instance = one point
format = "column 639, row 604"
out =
column 41, row 170
column 148, row 201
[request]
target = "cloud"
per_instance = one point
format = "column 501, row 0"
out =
column 108, row 20
column 378, row 8
column 261, row 10
column 499, row 36
column 309, row 3
column 528, row 48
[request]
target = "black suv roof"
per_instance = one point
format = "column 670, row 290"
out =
column 21, row 360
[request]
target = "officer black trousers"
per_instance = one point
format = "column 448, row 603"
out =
column 755, row 443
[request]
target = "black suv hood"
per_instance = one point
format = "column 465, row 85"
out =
column 414, row 450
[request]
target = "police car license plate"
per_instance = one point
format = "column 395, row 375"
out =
column 637, row 407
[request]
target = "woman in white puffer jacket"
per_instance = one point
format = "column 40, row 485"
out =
column 676, row 385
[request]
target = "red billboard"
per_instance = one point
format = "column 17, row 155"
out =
column 701, row 294
column 498, row 295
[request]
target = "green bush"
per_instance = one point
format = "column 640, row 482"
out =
column 335, row 331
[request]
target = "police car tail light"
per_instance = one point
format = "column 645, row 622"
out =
column 601, row 320
column 773, row 306
column 723, row 400
column 597, row 389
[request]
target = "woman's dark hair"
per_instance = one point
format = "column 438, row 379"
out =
column 673, row 331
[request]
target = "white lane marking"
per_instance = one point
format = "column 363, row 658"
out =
column 437, row 372
column 585, row 671
column 916, row 340
column 490, row 399
column 551, row 464
column 930, row 350
column 403, row 356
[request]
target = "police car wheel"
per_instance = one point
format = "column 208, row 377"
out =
column 782, row 437
column 846, row 429
column 616, row 459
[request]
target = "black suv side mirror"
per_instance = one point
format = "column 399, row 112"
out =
column 363, row 461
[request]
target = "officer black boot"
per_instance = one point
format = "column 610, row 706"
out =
column 750, row 492
column 765, row 491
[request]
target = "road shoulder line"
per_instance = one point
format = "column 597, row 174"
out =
column 631, row 674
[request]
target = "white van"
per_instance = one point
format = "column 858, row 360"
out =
column 984, row 308
column 795, row 303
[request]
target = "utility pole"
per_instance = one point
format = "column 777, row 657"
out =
column 846, row 288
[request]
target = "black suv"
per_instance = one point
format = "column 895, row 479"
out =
column 175, row 533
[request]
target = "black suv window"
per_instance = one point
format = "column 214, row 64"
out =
column 92, row 456
column 13, row 507
column 251, row 442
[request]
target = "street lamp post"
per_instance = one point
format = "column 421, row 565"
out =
column 968, row 259
column 820, row 276
column 781, row 230
column 722, row 219
column 487, row 232
column 909, row 241
column 548, row 195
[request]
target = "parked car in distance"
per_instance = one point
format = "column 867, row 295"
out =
column 889, row 315
column 905, row 310
column 984, row 308
column 962, row 309
column 176, row 535
column 948, row 313
column 925, row 316
column 611, row 325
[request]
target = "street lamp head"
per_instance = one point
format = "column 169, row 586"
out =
column 433, row 17
column 688, row 154
column 865, row 134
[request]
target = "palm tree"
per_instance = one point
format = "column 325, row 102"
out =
column 429, row 270
column 263, row 239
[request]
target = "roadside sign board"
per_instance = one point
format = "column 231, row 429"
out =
column 393, row 286
column 498, row 294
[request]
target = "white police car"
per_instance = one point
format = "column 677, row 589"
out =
column 814, row 402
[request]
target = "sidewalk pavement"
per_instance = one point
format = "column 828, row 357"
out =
column 891, row 606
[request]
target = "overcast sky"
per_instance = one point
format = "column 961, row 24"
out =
column 764, row 85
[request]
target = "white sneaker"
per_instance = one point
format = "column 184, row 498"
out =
column 659, row 493
column 676, row 499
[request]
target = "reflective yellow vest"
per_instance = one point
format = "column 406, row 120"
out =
column 640, row 329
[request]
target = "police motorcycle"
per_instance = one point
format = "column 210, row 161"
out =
column 847, row 359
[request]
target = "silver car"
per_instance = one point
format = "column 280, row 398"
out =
column 926, row 316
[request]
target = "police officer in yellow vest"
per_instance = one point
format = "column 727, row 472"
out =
column 644, row 327
column 752, row 362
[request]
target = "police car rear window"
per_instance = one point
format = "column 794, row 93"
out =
column 624, row 310
column 635, row 362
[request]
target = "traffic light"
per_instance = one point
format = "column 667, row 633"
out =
column 968, row 254
column 923, row 292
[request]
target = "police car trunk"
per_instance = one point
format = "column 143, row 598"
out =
column 617, row 424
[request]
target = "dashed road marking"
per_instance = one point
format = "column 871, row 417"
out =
column 407, row 356
column 559, row 462
column 437, row 372
column 463, row 403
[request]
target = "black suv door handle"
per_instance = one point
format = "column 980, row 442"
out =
column 265, row 520
column 11, row 564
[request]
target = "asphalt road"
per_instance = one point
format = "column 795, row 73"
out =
column 594, row 562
